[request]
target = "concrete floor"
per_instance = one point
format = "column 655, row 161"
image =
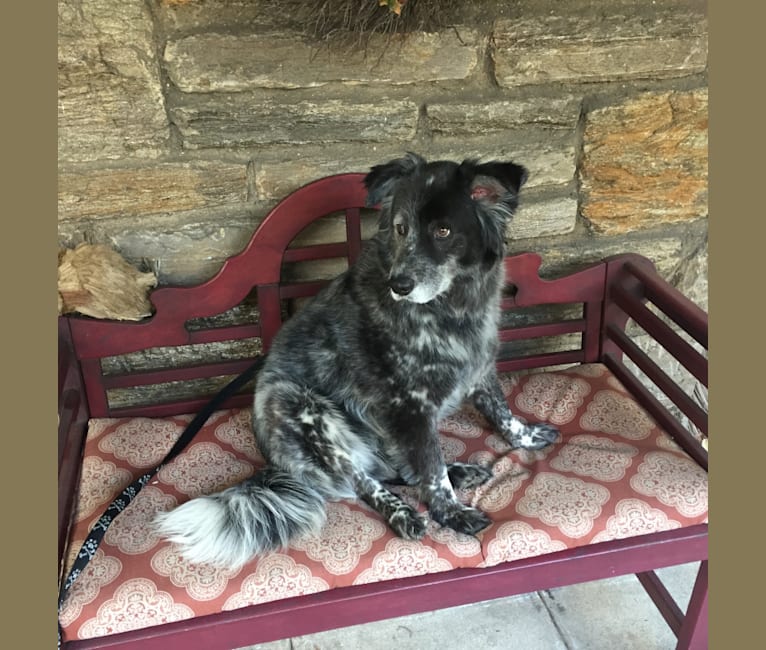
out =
column 602, row 615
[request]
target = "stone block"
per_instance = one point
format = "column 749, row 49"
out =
column 549, row 157
column 474, row 118
column 332, row 228
column 691, row 276
column 216, row 15
column 669, row 248
column 645, row 162
column 153, row 189
column 544, row 212
column 242, row 120
column 110, row 103
column 276, row 177
column 314, row 270
column 185, row 355
column 181, row 249
column 232, row 63
column 170, row 391
column 589, row 47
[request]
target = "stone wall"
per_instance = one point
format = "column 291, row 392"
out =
column 181, row 123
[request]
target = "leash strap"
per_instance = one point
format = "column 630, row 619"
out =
column 92, row 542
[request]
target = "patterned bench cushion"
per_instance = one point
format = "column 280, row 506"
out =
column 615, row 474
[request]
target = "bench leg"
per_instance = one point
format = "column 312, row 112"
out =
column 693, row 634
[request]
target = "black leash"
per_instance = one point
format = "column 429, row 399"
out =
column 92, row 542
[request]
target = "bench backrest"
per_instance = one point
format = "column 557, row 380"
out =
column 545, row 322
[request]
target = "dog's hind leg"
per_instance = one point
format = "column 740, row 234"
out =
column 491, row 403
column 403, row 519
column 335, row 455
column 424, row 465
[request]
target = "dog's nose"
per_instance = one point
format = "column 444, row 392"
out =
column 401, row 284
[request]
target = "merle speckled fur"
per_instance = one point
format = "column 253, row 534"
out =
column 355, row 384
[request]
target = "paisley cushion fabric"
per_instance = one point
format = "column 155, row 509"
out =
column 614, row 474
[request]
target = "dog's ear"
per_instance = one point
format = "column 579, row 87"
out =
column 495, row 182
column 382, row 179
column 494, row 186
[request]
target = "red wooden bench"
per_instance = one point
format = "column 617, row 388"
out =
column 638, row 471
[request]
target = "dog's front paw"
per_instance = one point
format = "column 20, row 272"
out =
column 407, row 523
column 464, row 519
column 534, row 436
column 465, row 476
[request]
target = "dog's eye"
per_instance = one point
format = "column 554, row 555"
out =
column 401, row 229
column 442, row 232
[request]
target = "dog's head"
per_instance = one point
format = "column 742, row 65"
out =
column 442, row 219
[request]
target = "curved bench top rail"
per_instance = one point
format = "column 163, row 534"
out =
column 522, row 271
column 258, row 264
column 586, row 286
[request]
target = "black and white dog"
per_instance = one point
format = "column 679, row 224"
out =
column 356, row 382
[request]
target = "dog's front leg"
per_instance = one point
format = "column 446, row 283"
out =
column 491, row 403
column 430, row 472
column 446, row 510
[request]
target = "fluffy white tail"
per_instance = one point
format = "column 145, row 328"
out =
column 258, row 515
